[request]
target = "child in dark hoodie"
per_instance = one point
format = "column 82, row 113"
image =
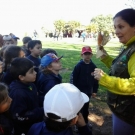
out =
column 61, row 107
column 6, row 124
column 25, row 41
column 9, row 54
column 50, row 66
column 24, row 108
column 35, row 47
column 82, row 77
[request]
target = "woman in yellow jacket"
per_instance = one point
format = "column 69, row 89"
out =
column 121, row 80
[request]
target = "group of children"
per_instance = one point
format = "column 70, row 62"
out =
column 32, row 91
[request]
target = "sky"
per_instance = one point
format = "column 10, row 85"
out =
column 20, row 16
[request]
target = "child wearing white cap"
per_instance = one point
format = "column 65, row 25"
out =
column 62, row 105
column 7, row 40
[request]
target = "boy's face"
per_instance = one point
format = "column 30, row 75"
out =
column 30, row 76
column 86, row 57
column 55, row 66
column 5, row 104
column 36, row 51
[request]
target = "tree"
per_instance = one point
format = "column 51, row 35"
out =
column 72, row 25
column 59, row 25
column 93, row 27
column 104, row 23
column 45, row 30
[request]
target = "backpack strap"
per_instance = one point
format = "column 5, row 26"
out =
column 131, row 51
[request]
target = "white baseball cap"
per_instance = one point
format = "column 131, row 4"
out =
column 7, row 37
column 64, row 100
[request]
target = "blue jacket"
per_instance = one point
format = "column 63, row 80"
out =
column 45, row 82
column 36, row 61
column 82, row 77
column 40, row 129
column 24, row 107
column 7, row 77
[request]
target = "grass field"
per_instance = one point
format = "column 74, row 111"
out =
column 71, row 56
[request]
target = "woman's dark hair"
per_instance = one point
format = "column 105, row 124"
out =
column 55, row 126
column 46, row 51
column 20, row 66
column 128, row 15
column 10, row 53
column 3, row 92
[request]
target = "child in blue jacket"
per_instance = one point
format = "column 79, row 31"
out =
column 25, row 107
column 49, row 76
column 62, row 105
column 35, row 47
column 82, row 77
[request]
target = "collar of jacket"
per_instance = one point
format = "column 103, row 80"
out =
column 130, row 41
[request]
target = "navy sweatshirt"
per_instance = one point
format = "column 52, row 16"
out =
column 82, row 77
column 6, row 124
column 40, row 129
column 24, row 107
column 7, row 77
column 45, row 82
column 36, row 61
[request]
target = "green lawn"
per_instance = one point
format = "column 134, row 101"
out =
column 71, row 56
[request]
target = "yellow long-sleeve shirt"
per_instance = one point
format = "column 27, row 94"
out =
column 119, row 85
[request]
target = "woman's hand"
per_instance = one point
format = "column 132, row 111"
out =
column 98, row 73
column 101, row 52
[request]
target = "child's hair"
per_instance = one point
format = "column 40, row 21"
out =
column 54, row 125
column 3, row 92
column 33, row 43
column 46, row 70
column 20, row 66
column 26, row 40
column 10, row 53
column 46, row 51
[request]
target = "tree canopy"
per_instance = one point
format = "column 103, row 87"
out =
column 59, row 25
column 98, row 23
column 103, row 23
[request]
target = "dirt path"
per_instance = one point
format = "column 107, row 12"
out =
column 100, row 117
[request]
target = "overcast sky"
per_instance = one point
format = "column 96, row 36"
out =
column 26, row 15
